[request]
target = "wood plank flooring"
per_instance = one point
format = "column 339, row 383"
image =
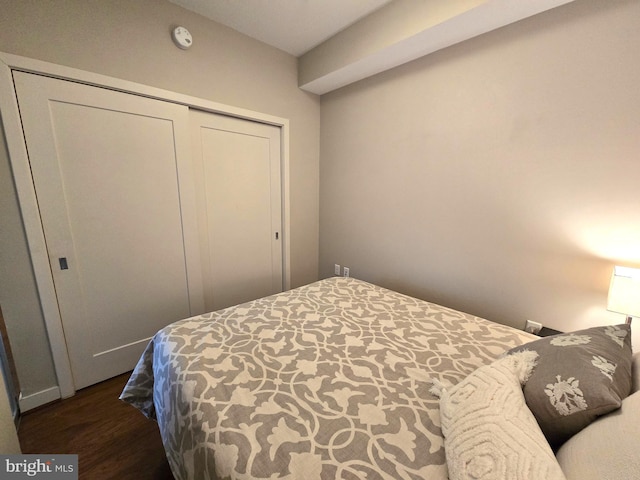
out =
column 113, row 440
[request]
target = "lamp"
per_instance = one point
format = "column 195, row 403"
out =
column 624, row 292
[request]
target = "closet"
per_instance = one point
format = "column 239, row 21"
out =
column 237, row 178
column 151, row 212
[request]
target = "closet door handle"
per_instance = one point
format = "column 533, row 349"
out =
column 63, row 263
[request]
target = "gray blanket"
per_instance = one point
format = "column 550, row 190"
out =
column 327, row 381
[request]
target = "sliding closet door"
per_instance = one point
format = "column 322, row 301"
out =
column 238, row 185
column 110, row 170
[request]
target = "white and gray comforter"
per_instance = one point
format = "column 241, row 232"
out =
column 327, row 381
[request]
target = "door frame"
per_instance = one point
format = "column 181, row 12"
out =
column 27, row 196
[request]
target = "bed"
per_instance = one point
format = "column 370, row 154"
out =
column 333, row 380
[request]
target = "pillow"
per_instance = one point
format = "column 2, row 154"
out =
column 579, row 376
column 608, row 448
column 489, row 431
column 635, row 372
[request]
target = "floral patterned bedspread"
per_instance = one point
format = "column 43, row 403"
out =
column 327, row 381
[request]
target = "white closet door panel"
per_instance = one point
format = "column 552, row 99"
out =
column 240, row 198
column 105, row 168
column 123, row 208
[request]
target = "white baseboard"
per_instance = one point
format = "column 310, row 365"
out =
column 37, row 399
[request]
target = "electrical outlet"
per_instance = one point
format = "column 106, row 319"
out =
column 346, row 271
column 532, row 327
column 336, row 269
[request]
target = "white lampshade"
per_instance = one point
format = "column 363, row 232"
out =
column 624, row 291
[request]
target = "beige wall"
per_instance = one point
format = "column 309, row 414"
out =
column 131, row 40
column 499, row 176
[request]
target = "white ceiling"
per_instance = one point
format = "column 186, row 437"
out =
column 295, row 26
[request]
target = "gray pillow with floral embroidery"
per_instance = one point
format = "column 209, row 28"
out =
column 579, row 376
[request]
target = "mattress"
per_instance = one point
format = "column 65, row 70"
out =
column 326, row 381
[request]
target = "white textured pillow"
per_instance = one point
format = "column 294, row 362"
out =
column 608, row 448
column 490, row 433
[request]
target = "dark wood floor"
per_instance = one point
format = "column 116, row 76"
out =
column 113, row 440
